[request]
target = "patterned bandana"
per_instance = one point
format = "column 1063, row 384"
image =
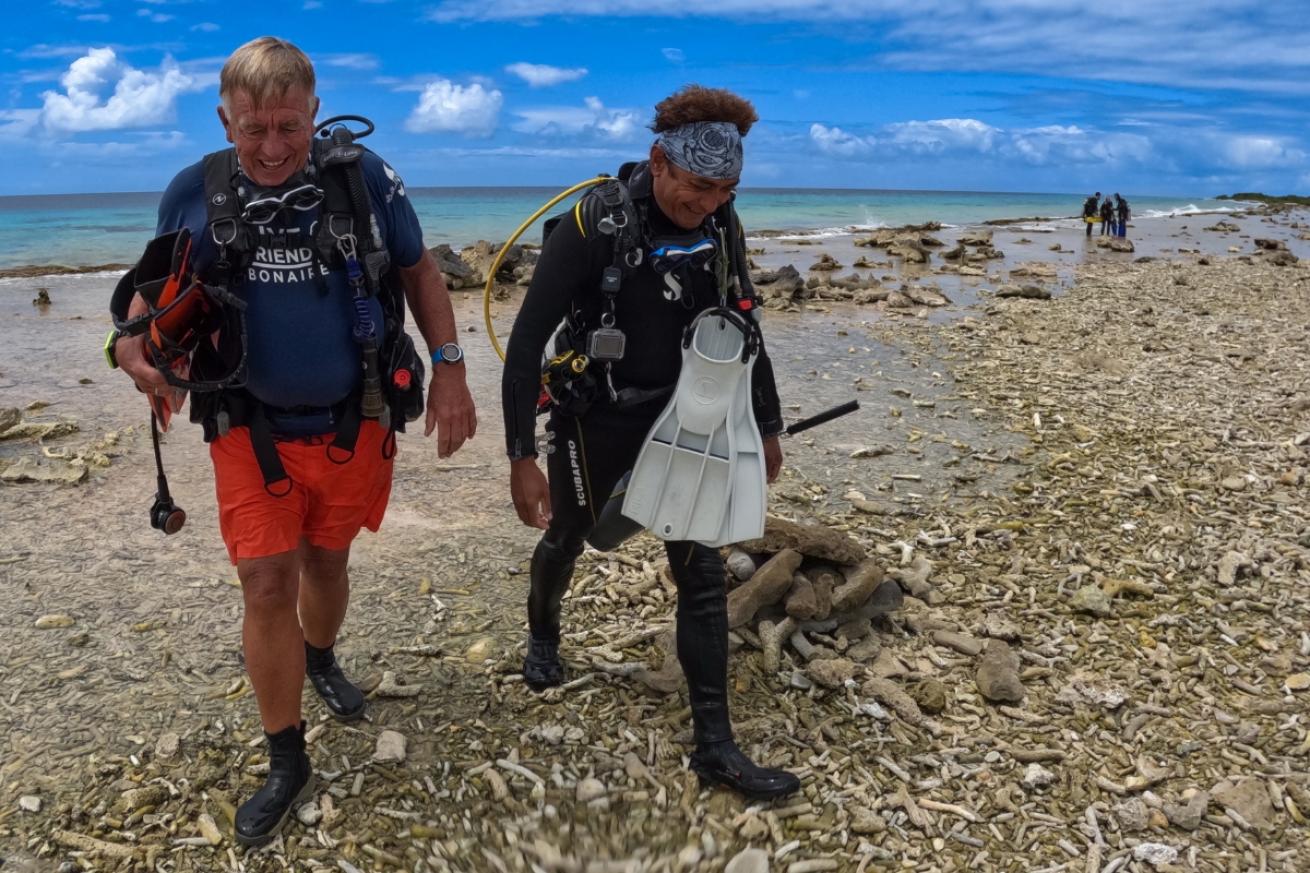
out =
column 706, row 148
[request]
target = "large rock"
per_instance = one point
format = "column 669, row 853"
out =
column 861, row 581
column 926, row 296
column 456, row 272
column 1092, row 600
column 765, row 588
column 29, row 470
column 910, row 250
column 1030, row 292
column 811, row 540
column 998, row 674
column 784, row 283
column 894, row 698
column 801, row 603
column 1249, row 798
column 832, row 672
column 976, row 238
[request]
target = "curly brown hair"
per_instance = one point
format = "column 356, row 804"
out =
column 697, row 103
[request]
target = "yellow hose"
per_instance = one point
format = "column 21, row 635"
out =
column 500, row 255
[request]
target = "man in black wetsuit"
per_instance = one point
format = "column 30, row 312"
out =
column 1122, row 213
column 1090, row 208
column 681, row 196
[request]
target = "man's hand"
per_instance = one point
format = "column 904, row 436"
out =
column 450, row 409
column 531, row 492
column 130, row 352
column 772, row 458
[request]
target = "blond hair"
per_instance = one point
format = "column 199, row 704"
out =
column 265, row 69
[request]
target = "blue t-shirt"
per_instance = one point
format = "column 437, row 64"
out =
column 300, row 313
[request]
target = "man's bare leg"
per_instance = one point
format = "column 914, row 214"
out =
column 324, row 596
column 324, row 593
column 271, row 638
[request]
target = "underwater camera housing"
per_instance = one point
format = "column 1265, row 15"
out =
column 606, row 344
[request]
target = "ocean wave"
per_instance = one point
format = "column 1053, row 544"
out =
column 814, row 233
column 1189, row 209
column 830, row 232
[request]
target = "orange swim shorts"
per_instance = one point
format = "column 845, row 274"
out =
column 327, row 504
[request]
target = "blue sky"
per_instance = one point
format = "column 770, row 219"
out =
column 1166, row 97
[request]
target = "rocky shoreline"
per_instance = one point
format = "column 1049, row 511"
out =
column 1094, row 656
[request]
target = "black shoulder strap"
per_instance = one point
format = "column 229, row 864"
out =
column 338, row 213
column 223, row 221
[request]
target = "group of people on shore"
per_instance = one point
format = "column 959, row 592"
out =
column 314, row 270
column 1112, row 213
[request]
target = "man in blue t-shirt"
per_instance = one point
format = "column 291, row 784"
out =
column 291, row 544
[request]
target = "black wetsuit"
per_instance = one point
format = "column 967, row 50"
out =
column 1121, row 207
column 1107, row 217
column 1089, row 211
column 589, row 454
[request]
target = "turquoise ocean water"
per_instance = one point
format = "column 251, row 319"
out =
column 84, row 229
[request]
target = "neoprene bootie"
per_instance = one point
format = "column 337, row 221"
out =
column 290, row 782
column 343, row 699
column 722, row 763
column 552, row 569
column 542, row 667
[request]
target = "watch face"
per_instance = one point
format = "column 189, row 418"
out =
column 451, row 353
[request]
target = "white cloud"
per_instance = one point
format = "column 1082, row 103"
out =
column 968, row 137
column 590, row 118
column 138, row 98
column 468, row 109
column 156, row 17
column 18, row 123
column 835, row 141
column 543, row 75
column 943, row 134
column 205, row 27
column 1247, row 152
column 673, row 55
column 350, row 61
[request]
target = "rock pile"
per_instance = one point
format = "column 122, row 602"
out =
column 468, row 269
column 1114, row 243
column 980, row 241
column 807, row 598
column 48, row 464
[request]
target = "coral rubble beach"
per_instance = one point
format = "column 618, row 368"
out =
column 1095, row 657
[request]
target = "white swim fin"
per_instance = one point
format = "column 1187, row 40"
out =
column 700, row 474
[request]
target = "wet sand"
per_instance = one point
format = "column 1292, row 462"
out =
column 152, row 645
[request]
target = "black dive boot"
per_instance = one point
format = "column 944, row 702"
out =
column 290, row 783
column 343, row 699
column 552, row 569
column 702, row 635
column 722, row 763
